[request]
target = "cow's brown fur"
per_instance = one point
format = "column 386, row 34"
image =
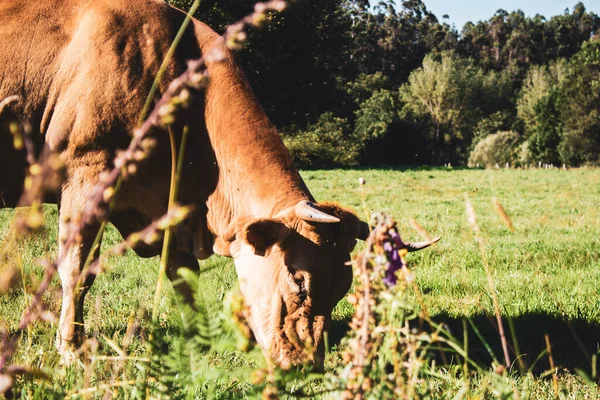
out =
column 82, row 69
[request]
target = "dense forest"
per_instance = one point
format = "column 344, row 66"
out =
column 350, row 84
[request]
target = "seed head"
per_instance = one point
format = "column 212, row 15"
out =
column 35, row 169
column 9, row 278
column 108, row 194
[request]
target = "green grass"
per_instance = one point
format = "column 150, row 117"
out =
column 546, row 272
column 549, row 264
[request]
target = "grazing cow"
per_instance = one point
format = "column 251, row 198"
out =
column 82, row 70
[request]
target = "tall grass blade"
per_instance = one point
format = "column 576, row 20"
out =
column 493, row 292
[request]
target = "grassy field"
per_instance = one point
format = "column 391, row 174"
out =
column 546, row 271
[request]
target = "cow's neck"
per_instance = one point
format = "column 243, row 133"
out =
column 257, row 178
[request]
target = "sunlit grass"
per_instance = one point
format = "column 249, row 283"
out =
column 546, row 272
column 548, row 264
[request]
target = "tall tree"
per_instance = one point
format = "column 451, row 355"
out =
column 445, row 92
column 580, row 108
column 395, row 41
column 293, row 63
column 539, row 82
column 515, row 40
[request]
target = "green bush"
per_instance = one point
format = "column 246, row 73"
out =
column 326, row 143
column 375, row 115
column 499, row 148
column 363, row 87
column 525, row 156
column 496, row 122
column 337, row 141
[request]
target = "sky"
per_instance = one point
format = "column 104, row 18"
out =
column 461, row 11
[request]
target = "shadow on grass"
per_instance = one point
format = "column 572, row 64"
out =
column 573, row 343
column 337, row 331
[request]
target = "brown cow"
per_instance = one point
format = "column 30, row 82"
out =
column 82, row 70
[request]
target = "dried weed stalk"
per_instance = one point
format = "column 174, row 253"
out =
column 383, row 355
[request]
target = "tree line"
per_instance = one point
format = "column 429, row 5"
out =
column 350, row 84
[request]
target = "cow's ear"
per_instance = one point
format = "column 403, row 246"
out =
column 264, row 234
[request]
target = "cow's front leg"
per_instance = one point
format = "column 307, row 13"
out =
column 72, row 256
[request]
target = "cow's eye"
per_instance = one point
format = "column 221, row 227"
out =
column 295, row 279
column 302, row 293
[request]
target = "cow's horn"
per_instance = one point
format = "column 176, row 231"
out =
column 305, row 210
column 7, row 101
column 420, row 245
column 364, row 230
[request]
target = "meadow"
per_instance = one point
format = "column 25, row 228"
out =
column 545, row 268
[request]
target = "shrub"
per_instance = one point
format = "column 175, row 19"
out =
column 333, row 141
column 496, row 122
column 375, row 116
column 525, row 156
column 325, row 143
column 364, row 86
column 499, row 148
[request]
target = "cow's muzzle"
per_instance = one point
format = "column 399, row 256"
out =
column 301, row 342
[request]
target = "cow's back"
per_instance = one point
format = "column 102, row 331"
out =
column 31, row 36
column 82, row 70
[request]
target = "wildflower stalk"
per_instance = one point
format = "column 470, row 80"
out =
column 466, row 350
column 34, row 312
column 382, row 342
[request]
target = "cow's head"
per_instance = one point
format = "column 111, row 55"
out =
column 293, row 269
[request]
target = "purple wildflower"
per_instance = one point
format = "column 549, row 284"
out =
column 397, row 240
column 395, row 260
